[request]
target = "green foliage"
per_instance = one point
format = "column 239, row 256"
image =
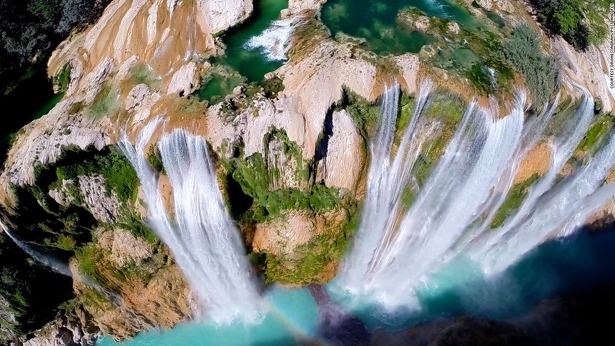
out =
column 140, row 230
column 596, row 135
column 541, row 72
column 89, row 257
column 155, row 159
column 66, row 242
column 119, row 174
column 513, row 201
column 253, row 177
column 310, row 259
column 62, row 80
column 272, row 87
column 579, row 22
column 364, row 113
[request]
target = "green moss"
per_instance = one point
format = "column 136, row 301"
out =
column 89, row 257
column 62, row 79
column 141, row 73
column 513, row 201
column 272, row 87
column 596, row 135
column 120, row 176
column 155, row 159
column 105, row 103
column 365, row 114
column 66, row 242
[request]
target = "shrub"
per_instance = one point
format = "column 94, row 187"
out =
column 540, row 71
column 578, row 22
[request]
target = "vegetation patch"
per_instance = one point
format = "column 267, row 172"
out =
column 314, row 262
column 596, row 136
column 365, row 114
column 105, row 103
column 513, row 201
column 579, row 22
column 62, row 79
column 253, row 176
column 540, row 71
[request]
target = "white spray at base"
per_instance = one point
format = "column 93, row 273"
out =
column 396, row 251
column 275, row 40
column 202, row 237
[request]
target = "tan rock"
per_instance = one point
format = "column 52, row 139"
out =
column 126, row 248
column 537, row 161
column 345, row 158
column 104, row 206
column 588, row 68
column 281, row 237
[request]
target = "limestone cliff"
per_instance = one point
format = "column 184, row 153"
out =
column 291, row 152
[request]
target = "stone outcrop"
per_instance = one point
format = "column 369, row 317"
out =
column 345, row 156
column 589, row 69
column 282, row 236
column 73, row 329
column 125, row 247
column 104, row 205
column 43, row 140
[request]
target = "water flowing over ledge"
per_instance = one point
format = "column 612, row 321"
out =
column 204, row 240
column 397, row 251
column 275, row 41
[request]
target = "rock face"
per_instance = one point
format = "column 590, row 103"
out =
column 344, row 159
column 589, row 69
column 74, row 329
column 281, row 237
column 125, row 247
column 43, row 140
column 103, row 205
column 141, row 60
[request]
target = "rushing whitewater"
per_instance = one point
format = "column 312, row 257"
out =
column 275, row 40
column 396, row 249
column 204, row 240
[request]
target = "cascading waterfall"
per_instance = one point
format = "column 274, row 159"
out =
column 275, row 40
column 203, row 238
column 395, row 251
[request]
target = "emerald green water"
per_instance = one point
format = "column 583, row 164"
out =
column 252, row 63
column 376, row 21
column 32, row 98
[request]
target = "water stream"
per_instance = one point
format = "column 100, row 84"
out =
column 396, row 252
column 201, row 234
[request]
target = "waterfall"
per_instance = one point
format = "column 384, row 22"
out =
column 395, row 251
column 52, row 263
column 275, row 40
column 202, row 237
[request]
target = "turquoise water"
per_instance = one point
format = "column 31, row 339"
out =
column 293, row 317
column 575, row 264
column 252, row 63
column 376, row 21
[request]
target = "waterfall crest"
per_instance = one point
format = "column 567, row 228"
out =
column 202, row 236
column 275, row 40
column 395, row 250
